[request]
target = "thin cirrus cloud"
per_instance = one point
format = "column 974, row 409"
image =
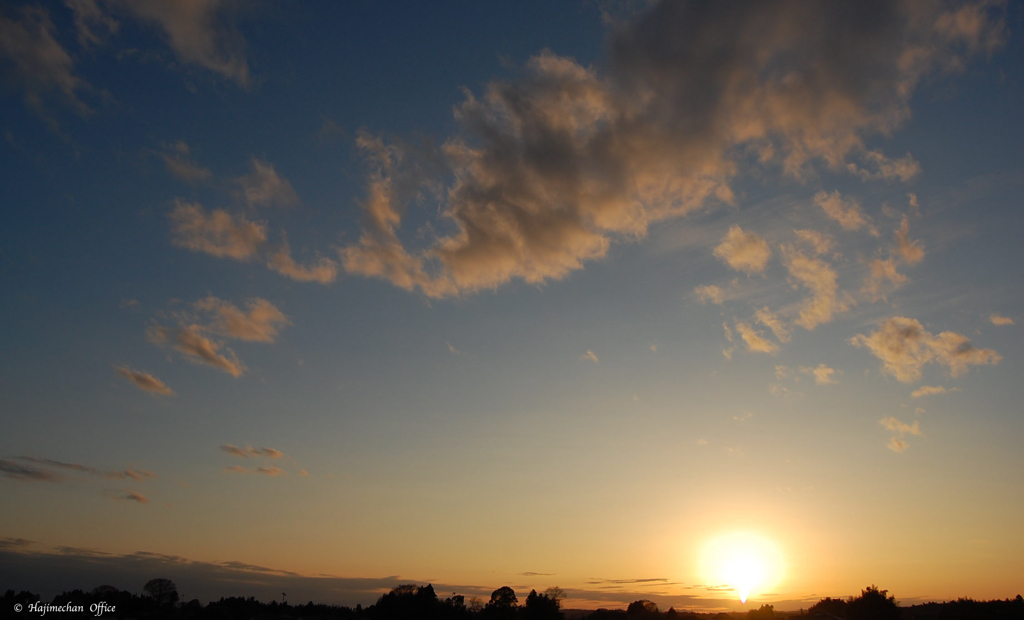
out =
column 19, row 471
column 322, row 270
column 132, row 496
column 216, row 233
column 743, row 251
column 212, row 317
column 551, row 168
column 265, row 471
column 39, row 64
column 145, row 381
column 905, row 347
column 263, row 187
column 932, row 390
column 249, row 451
column 766, row 317
column 590, row 356
column 176, row 160
column 821, row 243
column 753, row 339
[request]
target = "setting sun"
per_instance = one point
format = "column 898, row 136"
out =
column 743, row 562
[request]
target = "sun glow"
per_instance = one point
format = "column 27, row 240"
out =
column 744, row 562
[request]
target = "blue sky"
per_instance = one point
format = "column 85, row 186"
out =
column 527, row 293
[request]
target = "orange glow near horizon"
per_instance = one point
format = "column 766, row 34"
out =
column 746, row 562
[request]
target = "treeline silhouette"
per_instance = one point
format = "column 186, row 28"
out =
column 160, row 601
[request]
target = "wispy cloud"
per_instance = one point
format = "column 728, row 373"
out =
column 196, row 347
column 177, row 161
column 823, row 375
column 752, row 338
column 709, row 292
column 904, row 346
column 819, row 242
column 322, row 269
column 901, row 429
column 845, row 211
column 263, row 186
column 1001, row 320
column 15, row 470
column 217, row 233
column 145, row 381
column 932, row 390
column 589, row 356
column 249, row 451
column 766, row 317
column 259, row 324
column 132, row 496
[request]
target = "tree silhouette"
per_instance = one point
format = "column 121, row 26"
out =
column 642, row 609
column 502, row 605
column 542, row 607
column 163, row 591
column 873, row 604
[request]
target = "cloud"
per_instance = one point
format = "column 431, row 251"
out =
column 87, row 15
column 904, row 347
column 200, row 33
column 846, row 212
column 133, row 474
column 817, row 276
column 197, row 348
column 765, row 317
column 1001, row 320
column 270, row 471
column 145, row 381
column 259, row 324
column 136, row 474
column 752, row 338
column 912, row 252
column 322, row 270
column 743, row 251
column 15, row 470
column 709, row 292
column 547, row 170
column 897, row 445
column 823, row 375
column 217, row 233
column 251, row 452
column 39, row 64
column 931, row 390
column 589, row 356
column 176, row 159
column 881, row 271
column 453, row 350
column 133, row 496
column 8, row 542
column 264, row 187
column 238, row 469
column 728, row 351
column 820, row 243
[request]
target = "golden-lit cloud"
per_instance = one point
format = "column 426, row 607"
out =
column 821, row 243
column 766, row 317
column 1001, row 320
column 196, row 347
column 322, row 270
column 589, row 356
column 259, row 324
column 932, row 390
column 249, row 451
column 176, row 160
column 263, row 187
column 38, row 63
column 709, row 292
column 882, row 272
column 549, row 169
column 897, row 445
column 845, row 211
column 145, row 381
column 912, row 252
column 199, row 32
column 270, row 471
column 820, row 279
column 216, row 233
column 743, row 251
column 823, row 375
column 752, row 338
column 902, row 429
column 904, row 347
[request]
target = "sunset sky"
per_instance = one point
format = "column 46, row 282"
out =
column 327, row 297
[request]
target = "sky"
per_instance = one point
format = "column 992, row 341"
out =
column 338, row 296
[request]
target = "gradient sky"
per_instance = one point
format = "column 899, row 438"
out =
column 346, row 295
